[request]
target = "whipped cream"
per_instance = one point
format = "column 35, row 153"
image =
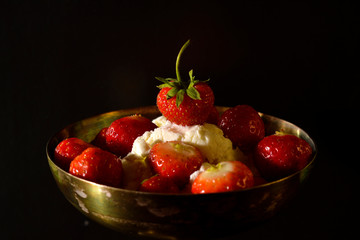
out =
column 208, row 138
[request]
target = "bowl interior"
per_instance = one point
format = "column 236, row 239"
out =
column 141, row 213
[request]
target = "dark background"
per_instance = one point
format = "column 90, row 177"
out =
column 62, row 61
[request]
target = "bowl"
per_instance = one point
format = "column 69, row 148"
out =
column 173, row 215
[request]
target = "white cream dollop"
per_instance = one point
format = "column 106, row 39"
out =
column 208, row 138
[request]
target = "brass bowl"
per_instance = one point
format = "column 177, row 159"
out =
column 173, row 215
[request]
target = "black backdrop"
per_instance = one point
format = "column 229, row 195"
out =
column 62, row 61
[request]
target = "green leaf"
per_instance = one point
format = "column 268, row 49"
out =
column 193, row 93
column 161, row 79
column 166, row 80
column 191, row 84
column 171, row 79
column 191, row 75
column 164, row 85
column 179, row 97
column 172, row 93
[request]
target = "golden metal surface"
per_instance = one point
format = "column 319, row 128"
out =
column 166, row 215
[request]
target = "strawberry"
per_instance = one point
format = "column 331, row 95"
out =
column 223, row 177
column 185, row 103
column 214, row 116
column 67, row 150
column 159, row 184
column 259, row 181
column 97, row 165
column 175, row 160
column 122, row 133
column 280, row 155
column 100, row 139
column 243, row 126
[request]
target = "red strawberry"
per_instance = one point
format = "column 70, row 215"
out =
column 67, row 150
column 176, row 160
column 97, row 165
column 185, row 103
column 122, row 133
column 190, row 111
column 278, row 156
column 214, row 116
column 159, row 184
column 100, row 139
column 243, row 126
column 225, row 176
column 259, row 181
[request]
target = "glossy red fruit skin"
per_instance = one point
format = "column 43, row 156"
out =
column 159, row 184
column 190, row 112
column 278, row 156
column 243, row 126
column 67, row 150
column 240, row 177
column 122, row 133
column 214, row 116
column 99, row 166
column 173, row 164
column 100, row 139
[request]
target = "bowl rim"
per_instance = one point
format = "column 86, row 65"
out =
column 128, row 191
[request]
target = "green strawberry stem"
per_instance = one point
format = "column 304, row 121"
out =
column 178, row 61
column 178, row 87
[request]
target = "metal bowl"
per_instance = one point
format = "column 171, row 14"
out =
column 173, row 215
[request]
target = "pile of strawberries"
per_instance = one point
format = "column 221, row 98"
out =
column 172, row 163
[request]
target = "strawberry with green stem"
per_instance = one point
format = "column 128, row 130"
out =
column 185, row 102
